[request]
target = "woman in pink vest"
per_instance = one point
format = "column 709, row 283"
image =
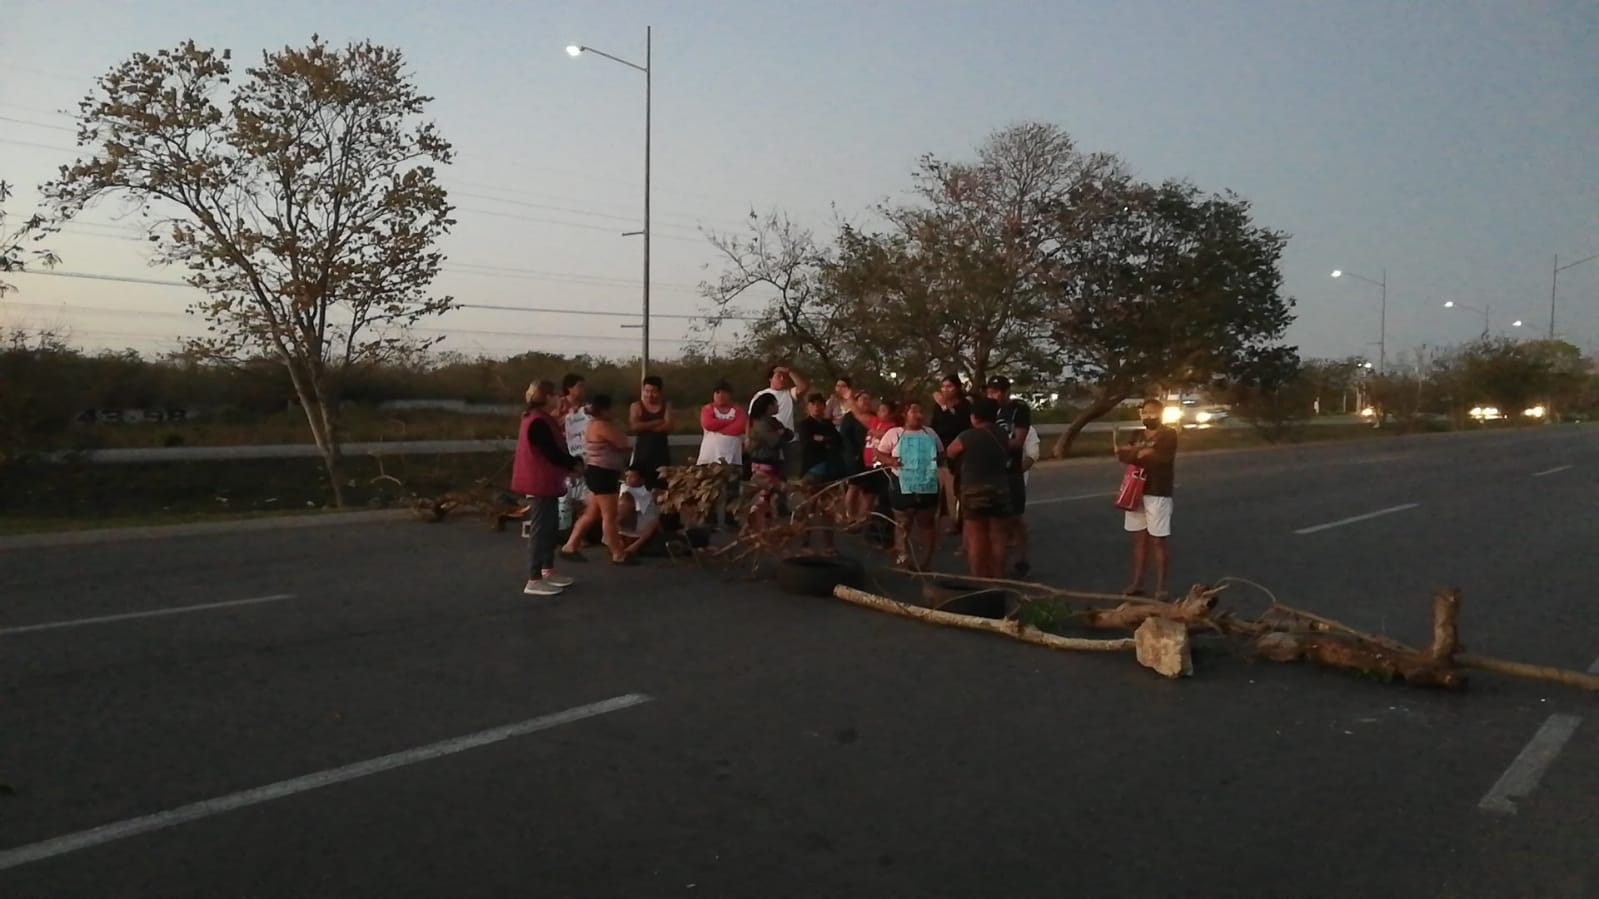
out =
column 539, row 472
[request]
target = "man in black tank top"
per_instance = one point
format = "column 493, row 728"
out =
column 650, row 420
column 983, row 453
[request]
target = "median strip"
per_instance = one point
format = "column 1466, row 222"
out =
column 1556, row 470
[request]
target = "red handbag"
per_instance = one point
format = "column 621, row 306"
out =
column 1130, row 498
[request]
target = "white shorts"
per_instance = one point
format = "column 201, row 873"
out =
column 1155, row 517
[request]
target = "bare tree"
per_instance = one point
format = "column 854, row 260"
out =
column 304, row 203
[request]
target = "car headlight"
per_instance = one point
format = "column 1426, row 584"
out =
column 1171, row 415
column 1202, row 417
column 1536, row 412
column 1368, row 412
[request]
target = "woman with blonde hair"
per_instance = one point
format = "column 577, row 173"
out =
column 539, row 471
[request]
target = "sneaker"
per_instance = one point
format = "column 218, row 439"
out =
column 541, row 588
column 556, row 580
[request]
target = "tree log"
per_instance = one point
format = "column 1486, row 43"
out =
column 1192, row 610
column 1342, row 651
column 1012, row 629
column 1546, row 673
column 1445, row 627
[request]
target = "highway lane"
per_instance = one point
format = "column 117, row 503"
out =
column 797, row 744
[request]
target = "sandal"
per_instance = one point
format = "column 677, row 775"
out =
column 1133, row 591
column 572, row 556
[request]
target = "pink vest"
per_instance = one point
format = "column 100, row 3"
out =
column 531, row 473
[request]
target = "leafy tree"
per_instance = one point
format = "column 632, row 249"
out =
column 304, row 203
column 953, row 279
column 1273, row 391
column 1161, row 285
column 14, row 256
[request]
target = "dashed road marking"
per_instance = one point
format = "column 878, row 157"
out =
column 1354, row 518
column 152, row 613
column 1521, row 778
column 183, row 814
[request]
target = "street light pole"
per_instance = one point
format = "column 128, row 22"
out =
column 647, row 69
column 1382, row 333
column 1554, row 286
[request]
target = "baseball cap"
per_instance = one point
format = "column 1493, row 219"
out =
column 999, row 382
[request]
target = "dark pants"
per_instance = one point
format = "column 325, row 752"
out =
column 543, row 516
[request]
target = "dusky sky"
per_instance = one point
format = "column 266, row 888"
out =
column 1450, row 142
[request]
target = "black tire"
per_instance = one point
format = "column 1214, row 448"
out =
column 817, row 575
column 965, row 599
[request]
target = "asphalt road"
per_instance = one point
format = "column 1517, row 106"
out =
column 760, row 745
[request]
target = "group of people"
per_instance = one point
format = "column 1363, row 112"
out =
column 952, row 464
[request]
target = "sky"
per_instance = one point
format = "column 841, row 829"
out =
column 1451, row 144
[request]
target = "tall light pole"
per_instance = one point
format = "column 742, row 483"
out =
column 1486, row 312
column 579, row 50
column 1554, row 285
column 1382, row 333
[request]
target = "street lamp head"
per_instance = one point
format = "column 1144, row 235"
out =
column 1516, row 323
column 1449, row 304
column 574, row 50
column 1337, row 273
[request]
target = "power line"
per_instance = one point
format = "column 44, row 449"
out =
column 459, row 268
column 547, row 310
column 6, row 118
column 446, row 332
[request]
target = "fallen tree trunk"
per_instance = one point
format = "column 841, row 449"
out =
column 1193, row 610
column 1351, row 654
column 1546, row 673
column 1014, row 630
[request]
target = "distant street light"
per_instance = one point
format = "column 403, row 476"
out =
column 1554, row 285
column 1486, row 312
column 1382, row 333
column 575, row 50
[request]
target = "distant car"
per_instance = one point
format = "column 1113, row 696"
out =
column 1485, row 413
column 1195, row 416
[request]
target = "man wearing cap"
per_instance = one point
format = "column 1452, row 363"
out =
column 1015, row 421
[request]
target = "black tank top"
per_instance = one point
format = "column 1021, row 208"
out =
column 652, row 448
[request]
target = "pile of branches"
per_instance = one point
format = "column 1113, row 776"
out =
column 1162, row 630
column 700, row 491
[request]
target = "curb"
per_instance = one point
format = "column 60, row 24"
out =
column 199, row 529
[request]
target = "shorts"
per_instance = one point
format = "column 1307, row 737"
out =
column 874, row 484
column 977, row 505
column 1018, row 493
column 602, row 481
column 1155, row 517
column 914, row 502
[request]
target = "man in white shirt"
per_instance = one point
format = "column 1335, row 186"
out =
column 787, row 386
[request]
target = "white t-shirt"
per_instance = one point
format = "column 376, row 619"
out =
column 785, row 405
column 889, row 445
column 716, row 447
column 644, row 504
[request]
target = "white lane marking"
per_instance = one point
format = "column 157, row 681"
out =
column 1343, row 521
column 183, row 814
column 153, row 613
column 1521, row 778
column 1069, row 499
column 1556, row 470
column 1594, row 668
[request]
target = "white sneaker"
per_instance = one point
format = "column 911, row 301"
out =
column 541, row 588
column 557, row 580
